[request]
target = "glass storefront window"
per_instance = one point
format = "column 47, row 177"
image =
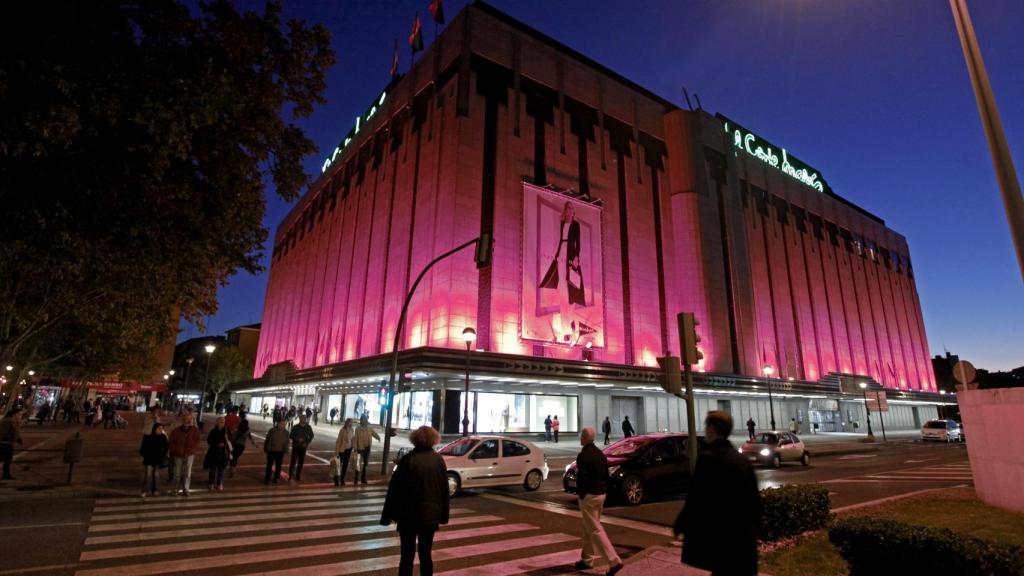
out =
column 369, row 405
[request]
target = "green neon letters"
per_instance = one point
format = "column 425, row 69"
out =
column 743, row 139
column 360, row 120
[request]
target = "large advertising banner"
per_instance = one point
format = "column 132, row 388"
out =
column 563, row 277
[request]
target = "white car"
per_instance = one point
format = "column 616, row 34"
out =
column 493, row 461
column 775, row 447
column 942, row 430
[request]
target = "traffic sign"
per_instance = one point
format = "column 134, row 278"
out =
column 964, row 372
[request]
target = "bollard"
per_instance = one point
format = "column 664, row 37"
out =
column 72, row 453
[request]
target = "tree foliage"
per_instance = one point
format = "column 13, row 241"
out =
column 227, row 366
column 136, row 141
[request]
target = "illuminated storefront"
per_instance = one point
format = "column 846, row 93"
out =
column 612, row 211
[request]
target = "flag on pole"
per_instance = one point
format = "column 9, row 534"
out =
column 416, row 36
column 437, row 11
column 394, row 61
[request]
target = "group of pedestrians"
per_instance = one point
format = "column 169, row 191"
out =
column 225, row 444
column 277, row 442
column 353, row 440
column 551, row 428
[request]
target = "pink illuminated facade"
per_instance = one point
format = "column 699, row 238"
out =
column 612, row 210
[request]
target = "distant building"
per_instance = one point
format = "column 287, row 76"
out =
column 246, row 339
column 612, row 210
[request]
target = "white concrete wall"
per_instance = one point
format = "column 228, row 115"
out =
column 992, row 425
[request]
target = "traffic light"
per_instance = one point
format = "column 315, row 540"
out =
column 689, row 338
column 484, row 246
column 671, row 380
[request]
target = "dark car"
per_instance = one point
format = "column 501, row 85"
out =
column 642, row 465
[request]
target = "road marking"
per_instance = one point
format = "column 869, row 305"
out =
column 54, row 525
column 181, row 564
column 920, row 477
column 605, row 518
column 518, row 566
column 230, row 510
column 169, row 505
column 886, row 499
column 857, row 456
column 229, row 519
column 332, row 520
column 267, row 491
column 916, row 461
column 50, row 568
column 453, row 552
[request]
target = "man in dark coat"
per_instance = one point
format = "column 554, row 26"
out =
column 720, row 519
column 592, row 487
column 606, row 427
column 417, row 500
column 627, row 428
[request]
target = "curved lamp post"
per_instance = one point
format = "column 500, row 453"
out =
column 469, row 335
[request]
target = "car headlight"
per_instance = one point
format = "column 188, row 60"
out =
column 567, row 466
column 740, row 450
column 612, row 470
column 765, row 452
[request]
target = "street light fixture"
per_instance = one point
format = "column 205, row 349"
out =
column 867, row 409
column 210, row 348
column 469, row 335
column 768, row 370
column 9, row 367
column 31, row 372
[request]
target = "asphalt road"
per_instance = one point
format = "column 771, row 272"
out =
column 314, row 528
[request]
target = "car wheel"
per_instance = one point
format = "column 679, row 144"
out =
column 454, row 484
column 633, row 490
column 533, row 480
column 806, row 459
column 776, row 461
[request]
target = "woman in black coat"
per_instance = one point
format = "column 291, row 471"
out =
column 417, row 500
column 218, row 454
column 154, row 455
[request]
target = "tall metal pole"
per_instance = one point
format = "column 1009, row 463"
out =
column 465, row 403
column 771, row 403
column 691, row 419
column 878, row 400
column 1006, row 174
column 394, row 350
column 202, row 398
column 867, row 409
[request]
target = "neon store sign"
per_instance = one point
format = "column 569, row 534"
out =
column 360, row 121
column 778, row 158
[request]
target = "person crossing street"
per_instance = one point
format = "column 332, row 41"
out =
column 301, row 436
column 364, row 436
column 275, row 445
column 592, row 487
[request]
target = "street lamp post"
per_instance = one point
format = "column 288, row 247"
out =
column 771, row 404
column 469, row 335
column 867, row 409
column 210, row 348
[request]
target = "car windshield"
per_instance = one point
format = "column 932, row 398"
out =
column 626, row 447
column 935, row 424
column 459, row 448
column 766, row 439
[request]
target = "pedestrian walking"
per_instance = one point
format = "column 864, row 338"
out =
column 606, row 427
column 184, row 442
column 275, row 445
column 722, row 512
column 264, row 411
column 316, row 416
column 218, row 453
column 555, row 426
column 547, row 428
column 627, row 428
column 242, row 433
column 361, row 444
column 333, row 413
column 592, row 488
column 43, row 413
column 794, row 426
column 154, row 457
column 417, row 500
column 108, row 415
column 343, row 448
column 751, row 426
column 10, row 434
column 231, row 421
column 301, row 436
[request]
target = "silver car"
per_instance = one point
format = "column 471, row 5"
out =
column 942, row 430
column 493, row 461
column 774, row 448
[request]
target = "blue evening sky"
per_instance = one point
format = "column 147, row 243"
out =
column 874, row 94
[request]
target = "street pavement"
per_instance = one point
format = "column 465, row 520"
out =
column 99, row 525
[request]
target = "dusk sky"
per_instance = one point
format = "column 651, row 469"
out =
column 873, row 94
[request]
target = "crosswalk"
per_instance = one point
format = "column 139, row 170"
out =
column 959, row 472
column 315, row 531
